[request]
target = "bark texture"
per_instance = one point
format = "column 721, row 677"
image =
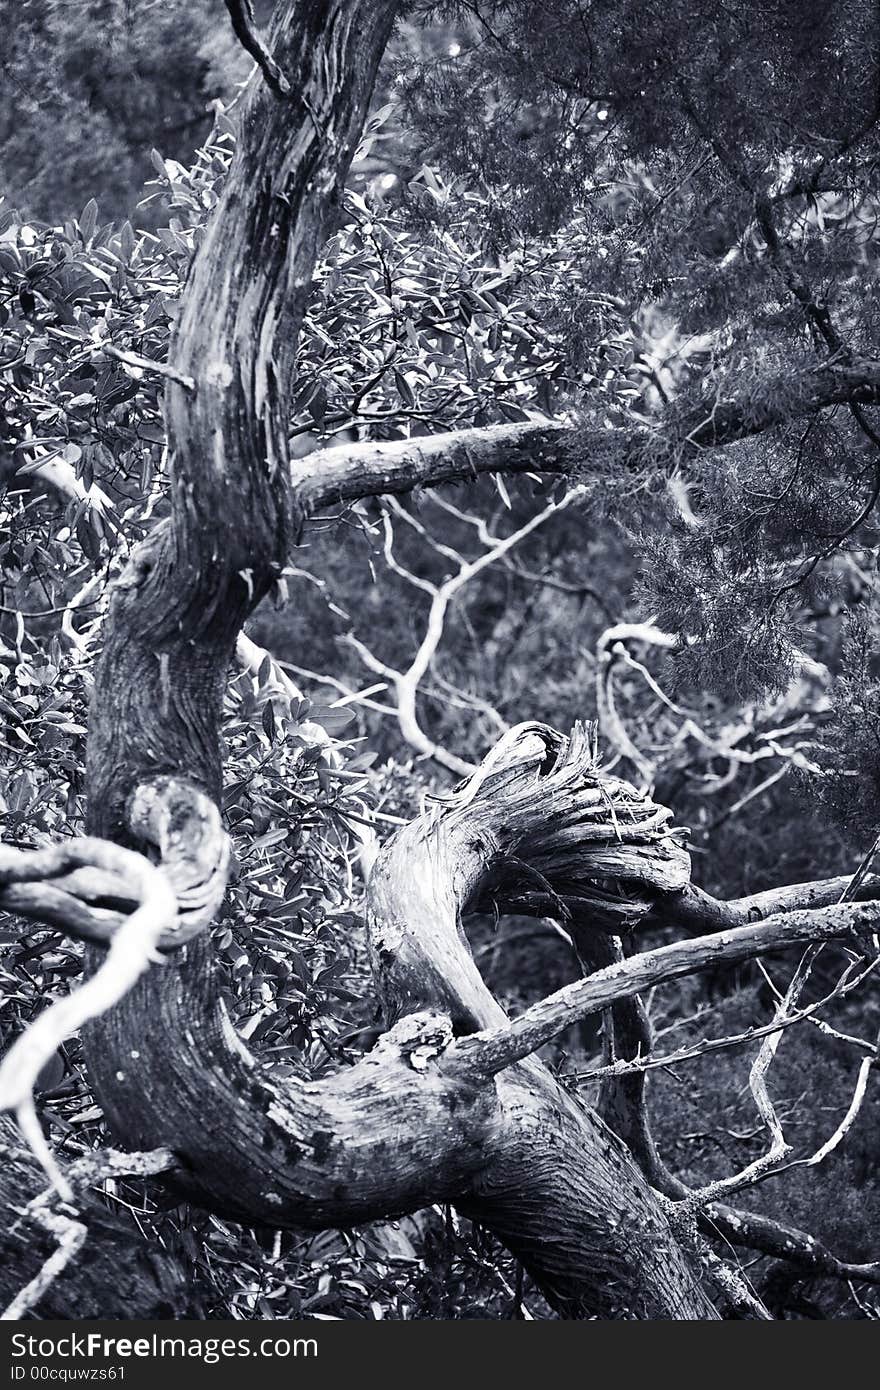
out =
column 178, row 607
column 406, row 1126
column 122, row 1275
column 559, row 1188
column 347, row 472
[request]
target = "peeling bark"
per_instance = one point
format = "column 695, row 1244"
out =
column 410, row 1124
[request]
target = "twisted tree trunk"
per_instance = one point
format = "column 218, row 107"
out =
column 557, row 1186
column 401, row 1129
column 451, row 1104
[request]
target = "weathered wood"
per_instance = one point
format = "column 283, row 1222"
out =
column 176, row 611
column 626, row 978
column 257, row 1150
column 400, row 1129
column 558, row 1186
column 423, row 1118
column 572, row 448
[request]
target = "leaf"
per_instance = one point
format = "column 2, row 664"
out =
column 146, row 429
column 88, row 539
column 126, row 240
column 334, row 720
column 317, row 405
column 381, row 116
column 502, row 491
column 88, row 220
column 51, row 1074
column 405, row 390
column 268, row 721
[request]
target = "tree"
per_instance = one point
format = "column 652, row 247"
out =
column 88, row 92
column 452, row 1104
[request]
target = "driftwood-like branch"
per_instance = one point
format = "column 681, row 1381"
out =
column 390, row 1134
column 539, row 814
column 561, row 1192
column 696, row 911
column 177, row 610
column 421, row 1118
column 132, row 950
column 87, row 886
column 403, row 1128
column 317, row 1154
column 170, row 905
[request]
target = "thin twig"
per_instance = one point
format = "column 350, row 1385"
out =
column 241, row 12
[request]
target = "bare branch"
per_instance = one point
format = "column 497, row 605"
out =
column 62, row 1225
column 744, row 742
column 494, row 1050
column 132, row 950
column 407, row 683
column 146, row 364
column 71, row 1236
column 241, row 12
column 649, row 1061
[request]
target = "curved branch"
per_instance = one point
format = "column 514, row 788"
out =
column 241, row 12
column 557, row 1187
column 176, row 612
column 131, row 952
column 414, row 1122
column 697, row 911
column 408, row 1126
column 623, row 1103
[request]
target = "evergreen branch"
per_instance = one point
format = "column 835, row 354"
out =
column 348, row 472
